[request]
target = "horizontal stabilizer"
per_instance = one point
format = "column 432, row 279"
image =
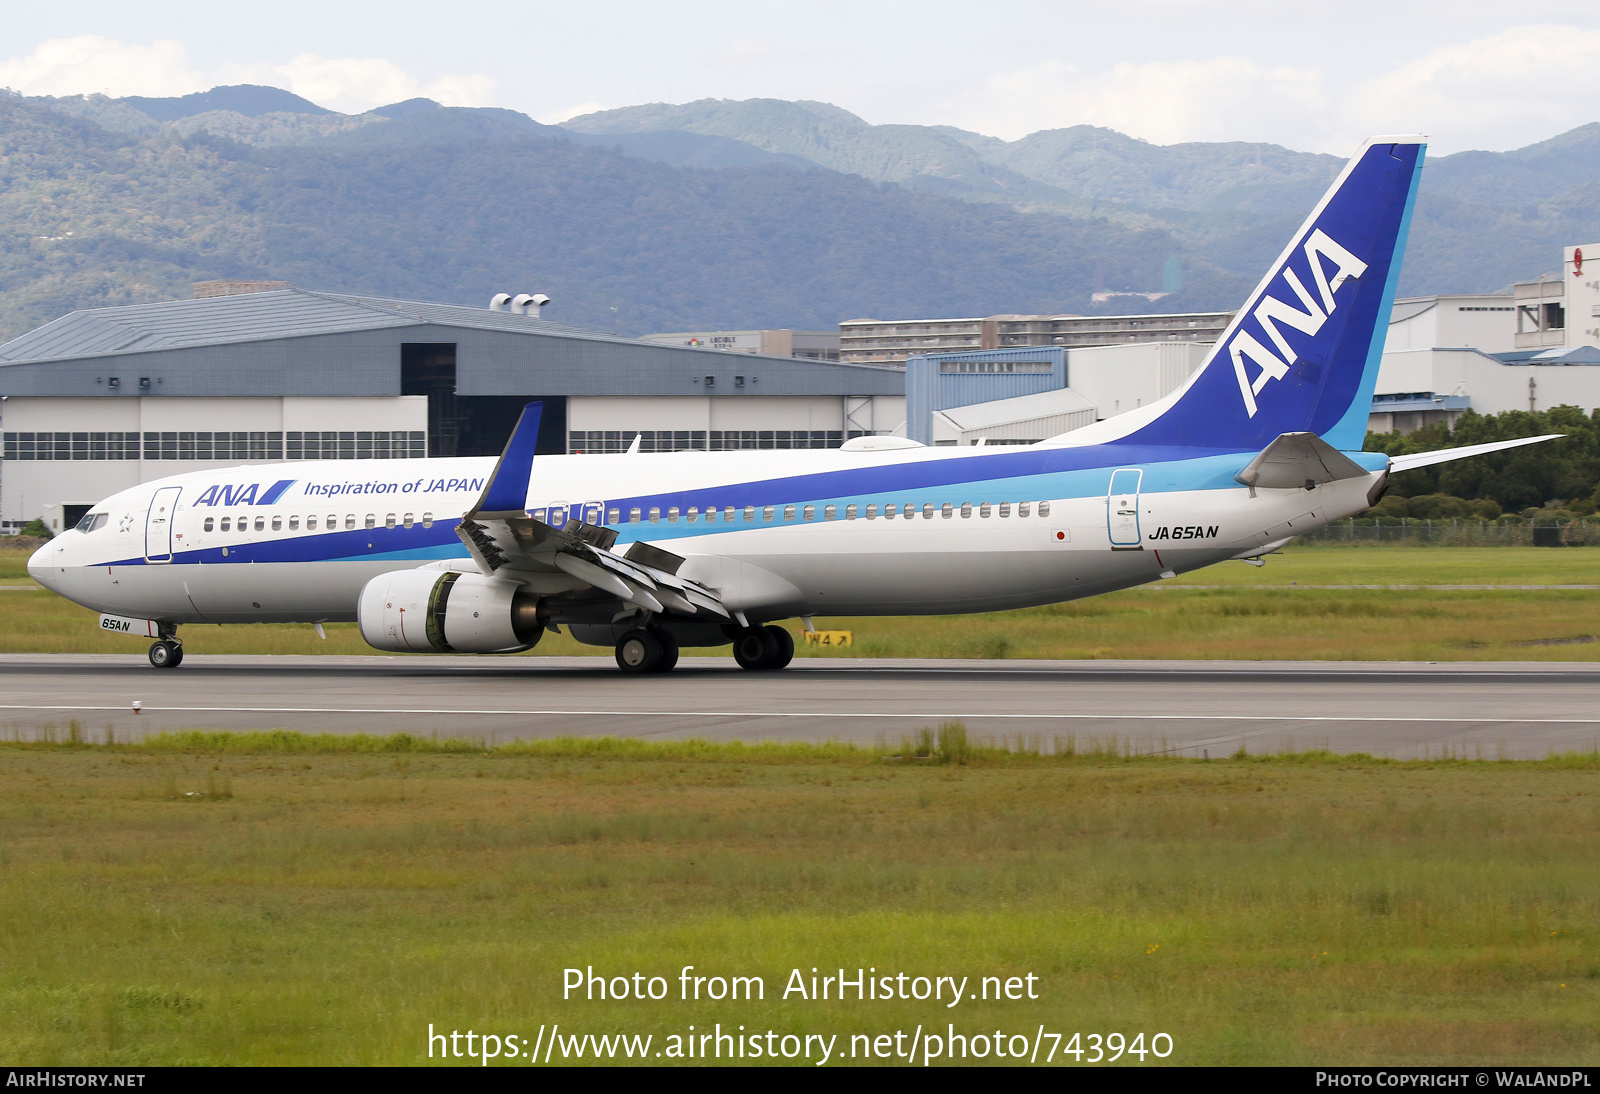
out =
column 1445, row 455
column 1298, row 461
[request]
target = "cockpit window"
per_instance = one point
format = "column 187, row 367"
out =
column 93, row 521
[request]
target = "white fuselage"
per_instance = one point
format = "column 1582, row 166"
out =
column 779, row 533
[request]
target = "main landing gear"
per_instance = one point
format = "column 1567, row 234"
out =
column 166, row 654
column 641, row 651
column 763, row 648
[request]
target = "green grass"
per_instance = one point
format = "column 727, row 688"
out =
column 1272, row 612
column 276, row 899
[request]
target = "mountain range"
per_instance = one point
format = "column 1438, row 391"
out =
column 712, row 214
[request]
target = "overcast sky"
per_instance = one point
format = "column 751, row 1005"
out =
column 1311, row 76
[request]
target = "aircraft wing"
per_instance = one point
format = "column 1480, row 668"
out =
column 1445, row 455
column 502, row 538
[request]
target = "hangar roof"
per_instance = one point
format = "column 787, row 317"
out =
column 254, row 317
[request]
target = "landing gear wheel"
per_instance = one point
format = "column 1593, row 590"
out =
column 166, row 654
column 669, row 651
column 763, row 649
column 782, row 647
column 751, row 649
column 640, row 652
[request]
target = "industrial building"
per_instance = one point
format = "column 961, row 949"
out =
column 1530, row 349
column 102, row 399
column 819, row 345
column 876, row 342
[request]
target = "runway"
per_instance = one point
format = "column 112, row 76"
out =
column 1474, row 710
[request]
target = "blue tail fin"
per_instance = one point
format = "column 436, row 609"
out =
column 1302, row 354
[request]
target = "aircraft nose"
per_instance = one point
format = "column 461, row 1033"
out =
column 39, row 567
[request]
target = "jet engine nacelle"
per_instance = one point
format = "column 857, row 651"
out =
column 424, row 611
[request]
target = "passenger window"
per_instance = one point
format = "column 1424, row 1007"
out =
column 872, row 512
column 372, row 520
column 909, row 511
column 983, row 510
column 766, row 514
column 333, row 521
column 672, row 515
column 427, row 520
column 209, row 523
column 389, row 521
column 1005, row 509
column 633, row 516
column 1022, row 508
column 1044, row 509
column 788, row 512
column 945, row 510
column 888, row 511
column 966, row 510
column 613, row 516
column 711, row 513
column 727, row 514
column 225, row 523
column 261, row 524
column 849, row 512
column 408, row 520
column 311, row 523
column 927, row 510
column 831, row 513
column 277, row 522
column 655, row 514
column 294, row 523
column 811, row 512
column 693, row 515
column 749, row 514
column 349, row 520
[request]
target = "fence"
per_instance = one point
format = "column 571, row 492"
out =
column 1455, row 532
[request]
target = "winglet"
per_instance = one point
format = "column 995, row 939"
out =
column 507, row 492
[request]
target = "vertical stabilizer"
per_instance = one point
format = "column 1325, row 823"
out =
column 1302, row 354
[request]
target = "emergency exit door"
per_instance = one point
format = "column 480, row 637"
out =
column 1122, row 509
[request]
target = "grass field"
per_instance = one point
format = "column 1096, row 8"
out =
column 261, row 900
column 1226, row 611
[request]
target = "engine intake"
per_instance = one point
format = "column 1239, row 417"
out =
column 423, row 611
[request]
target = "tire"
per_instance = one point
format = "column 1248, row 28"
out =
column 782, row 646
column 166, row 655
column 177, row 655
column 639, row 652
column 669, row 651
column 753, row 648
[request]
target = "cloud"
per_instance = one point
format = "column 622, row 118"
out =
column 1161, row 101
column 357, row 84
column 90, row 63
column 1503, row 91
column 743, row 52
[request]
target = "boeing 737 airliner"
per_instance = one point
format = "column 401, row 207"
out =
column 648, row 553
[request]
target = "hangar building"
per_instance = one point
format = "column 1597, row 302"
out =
column 102, row 399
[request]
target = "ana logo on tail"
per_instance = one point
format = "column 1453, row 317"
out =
column 1272, row 311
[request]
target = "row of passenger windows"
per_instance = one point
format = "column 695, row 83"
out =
column 769, row 513
column 331, row 524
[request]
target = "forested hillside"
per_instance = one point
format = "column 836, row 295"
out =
column 710, row 214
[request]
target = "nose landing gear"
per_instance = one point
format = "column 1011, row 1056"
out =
column 166, row 654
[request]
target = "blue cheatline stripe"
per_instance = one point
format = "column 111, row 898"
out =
column 275, row 491
column 508, row 486
column 992, row 478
